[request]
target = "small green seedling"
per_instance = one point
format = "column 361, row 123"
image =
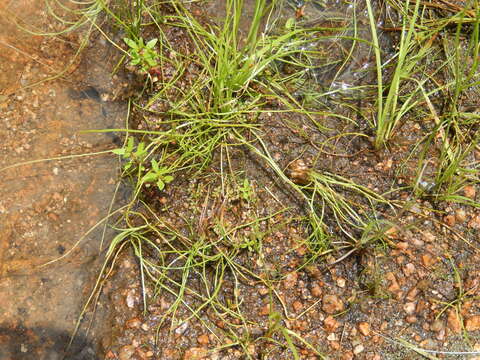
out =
column 158, row 175
column 134, row 156
column 143, row 55
column 246, row 190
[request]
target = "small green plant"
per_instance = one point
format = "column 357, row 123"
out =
column 246, row 190
column 143, row 55
column 134, row 156
column 160, row 175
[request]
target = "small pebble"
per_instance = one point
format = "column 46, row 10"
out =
column 472, row 323
column 469, row 191
column 332, row 337
column 335, row 345
column 133, row 323
column 453, row 322
column 474, row 223
column 437, row 325
column 427, row 260
column 263, row 291
column 297, row 306
column 393, row 287
column 203, row 339
column 428, row 236
column 316, row 291
column 195, row 353
column 330, row 324
column 460, row 215
column 290, row 280
column 411, row 319
column 409, row 307
column 126, row 352
column 418, row 243
column 264, row 310
column 364, row 328
column 331, row 304
column 408, row 269
column 130, row 299
column 412, row 294
column 358, row 349
column 423, row 285
column 182, row 328
column 449, row 220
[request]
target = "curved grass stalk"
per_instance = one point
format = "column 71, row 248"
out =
column 63, row 157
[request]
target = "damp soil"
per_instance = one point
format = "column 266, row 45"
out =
column 348, row 309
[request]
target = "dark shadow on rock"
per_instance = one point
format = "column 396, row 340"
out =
column 20, row 343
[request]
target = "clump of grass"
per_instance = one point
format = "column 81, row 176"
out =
column 392, row 108
column 222, row 97
column 334, row 196
column 452, row 40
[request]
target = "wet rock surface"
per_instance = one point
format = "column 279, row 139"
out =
column 47, row 207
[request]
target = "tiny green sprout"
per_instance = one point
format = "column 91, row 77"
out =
column 158, row 175
column 143, row 55
column 128, row 152
column 246, row 190
column 290, row 24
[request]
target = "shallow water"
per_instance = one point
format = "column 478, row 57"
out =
column 45, row 208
